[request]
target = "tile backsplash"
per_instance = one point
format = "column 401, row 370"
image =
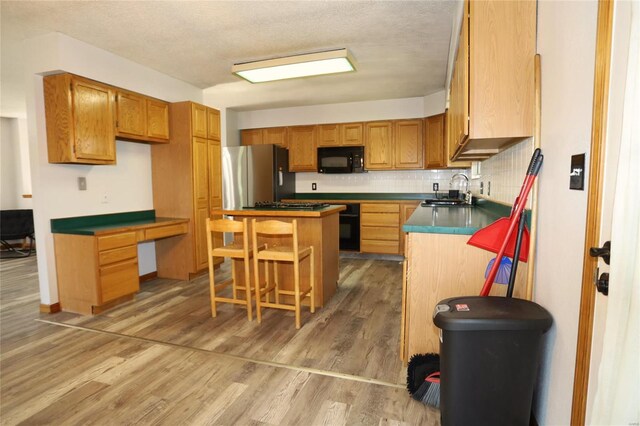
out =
column 505, row 172
column 378, row 181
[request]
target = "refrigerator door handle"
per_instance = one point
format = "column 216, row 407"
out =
column 280, row 177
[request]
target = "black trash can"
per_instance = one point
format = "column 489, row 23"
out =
column 489, row 355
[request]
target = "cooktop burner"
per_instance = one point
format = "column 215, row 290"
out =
column 277, row 205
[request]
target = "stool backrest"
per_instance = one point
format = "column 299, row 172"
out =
column 226, row 225
column 276, row 227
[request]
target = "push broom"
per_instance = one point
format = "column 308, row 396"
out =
column 423, row 371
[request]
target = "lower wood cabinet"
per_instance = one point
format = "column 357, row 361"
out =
column 379, row 228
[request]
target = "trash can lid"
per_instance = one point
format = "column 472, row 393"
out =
column 490, row 313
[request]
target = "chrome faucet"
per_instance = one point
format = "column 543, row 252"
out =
column 467, row 193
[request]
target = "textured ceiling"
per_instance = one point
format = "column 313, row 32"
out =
column 400, row 47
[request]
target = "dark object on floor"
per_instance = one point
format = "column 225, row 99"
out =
column 420, row 367
column 489, row 357
column 16, row 225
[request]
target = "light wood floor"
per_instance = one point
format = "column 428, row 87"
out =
column 162, row 359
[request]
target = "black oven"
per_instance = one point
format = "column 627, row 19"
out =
column 346, row 159
column 350, row 228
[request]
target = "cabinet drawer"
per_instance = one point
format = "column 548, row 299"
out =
column 119, row 280
column 380, row 208
column 116, row 255
column 109, row 242
column 377, row 233
column 374, row 246
column 165, row 231
column 380, row 219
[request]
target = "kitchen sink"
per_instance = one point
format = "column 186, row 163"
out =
column 448, row 202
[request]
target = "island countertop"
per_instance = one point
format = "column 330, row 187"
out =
column 326, row 211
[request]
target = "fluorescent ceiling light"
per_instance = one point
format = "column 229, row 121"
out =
column 330, row 62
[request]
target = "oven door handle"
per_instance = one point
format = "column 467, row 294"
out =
column 349, row 215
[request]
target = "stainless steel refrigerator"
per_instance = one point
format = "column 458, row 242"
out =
column 255, row 173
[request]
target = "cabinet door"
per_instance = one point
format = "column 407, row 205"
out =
column 459, row 97
column 213, row 124
column 200, row 200
column 329, row 135
column 199, row 121
column 130, row 114
column 409, row 146
column 275, row 136
column 302, row 149
column 251, row 136
column 406, row 212
column 351, row 134
column 378, row 152
column 434, row 142
column 93, row 120
column 157, row 119
column 215, row 172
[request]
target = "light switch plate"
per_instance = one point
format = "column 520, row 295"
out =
column 576, row 174
column 82, row 184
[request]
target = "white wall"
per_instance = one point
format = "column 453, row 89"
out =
column 127, row 184
column 15, row 179
column 566, row 42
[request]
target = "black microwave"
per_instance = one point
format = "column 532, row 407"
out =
column 347, row 159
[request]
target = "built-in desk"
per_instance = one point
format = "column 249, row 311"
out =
column 97, row 256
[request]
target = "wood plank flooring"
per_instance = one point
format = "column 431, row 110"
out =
column 161, row 359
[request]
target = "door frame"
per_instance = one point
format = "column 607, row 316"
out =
column 594, row 204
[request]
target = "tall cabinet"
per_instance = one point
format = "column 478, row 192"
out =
column 187, row 182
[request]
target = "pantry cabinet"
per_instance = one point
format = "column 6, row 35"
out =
column 492, row 85
column 80, row 120
column 187, row 182
column 303, row 149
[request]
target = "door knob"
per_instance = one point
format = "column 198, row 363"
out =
column 603, row 284
column 602, row 252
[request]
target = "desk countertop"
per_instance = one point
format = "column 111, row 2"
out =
column 112, row 223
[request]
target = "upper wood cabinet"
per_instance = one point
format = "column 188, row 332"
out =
column 213, row 124
column 434, row 140
column 408, row 144
column 378, row 153
column 344, row 134
column 492, row 85
column 80, row 120
column 140, row 118
column 270, row 135
column 199, row 120
column 302, row 149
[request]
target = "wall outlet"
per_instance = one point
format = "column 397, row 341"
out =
column 105, row 198
column 314, row 186
column 436, row 187
column 82, row 184
column 489, row 189
column 481, row 188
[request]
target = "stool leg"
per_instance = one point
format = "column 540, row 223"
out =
column 212, row 289
column 247, row 289
column 267, row 281
column 312, row 282
column 276, row 280
column 296, row 291
column 256, row 273
column 233, row 279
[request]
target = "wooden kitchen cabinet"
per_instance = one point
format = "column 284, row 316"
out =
column 408, row 144
column 140, row 118
column 213, row 124
column 187, row 182
column 79, row 120
column 492, row 85
column 434, row 141
column 406, row 210
column 378, row 137
column 250, row 137
column 302, row 149
column 344, row 134
column 270, row 135
column 379, row 228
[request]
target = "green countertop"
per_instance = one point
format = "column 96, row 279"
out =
column 97, row 224
column 365, row 195
column 462, row 220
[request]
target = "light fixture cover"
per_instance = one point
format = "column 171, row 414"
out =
column 310, row 64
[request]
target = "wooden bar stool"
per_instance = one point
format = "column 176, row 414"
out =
column 281, row 253
column 234, row 251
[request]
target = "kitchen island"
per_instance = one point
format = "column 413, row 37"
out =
column 319, row 228
column 440, row 264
